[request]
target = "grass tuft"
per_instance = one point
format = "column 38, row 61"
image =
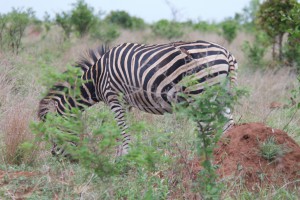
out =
column 270, row 150
column 15, row 132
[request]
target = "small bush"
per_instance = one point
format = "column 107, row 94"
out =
column 137, row 23
column 123, row 19
column 256, row 51
column 64, row 21
column 167, row 29
column 205, row 26
column 105, row 32
column 292, row 48
column 229, row 29
column 47, row 22
column 207, row 111
column 12, row 28
column 82, row 17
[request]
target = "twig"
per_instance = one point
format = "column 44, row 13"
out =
column 291, row 119
column 85, row 186
column 266, row 117
column 184, row 160
column 286, row 185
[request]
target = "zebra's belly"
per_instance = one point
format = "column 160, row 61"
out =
column 149, row 102
column 159, row 98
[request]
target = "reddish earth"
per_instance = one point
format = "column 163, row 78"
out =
column 240, row 162
column 238, row 157
column 22, row 190
column 11, row 175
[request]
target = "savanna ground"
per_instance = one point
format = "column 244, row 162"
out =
column 38, row 175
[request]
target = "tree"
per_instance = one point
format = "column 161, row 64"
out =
column 64, row 21
column 12, row 28
column 292, row 53
column 82, row 17
column 250, row 11
column 229, row 28
column 269, row 18
column 107, row 33
column 123, row 19
column 167, row 29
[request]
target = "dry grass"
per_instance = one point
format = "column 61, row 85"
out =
column 15, row 130
column 17, row 111
column 6, row 82
column 265, row 88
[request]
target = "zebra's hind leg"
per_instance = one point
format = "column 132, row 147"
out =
column 119, row 112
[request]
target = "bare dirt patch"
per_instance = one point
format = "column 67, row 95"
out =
column 238, row 156
column 11, row 175
column 19, row 179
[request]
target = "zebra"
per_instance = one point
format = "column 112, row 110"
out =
column 146, row 77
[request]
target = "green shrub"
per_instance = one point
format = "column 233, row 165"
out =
column 205, row 26
column 82, row 17
column 137, row 23
column 105, row 32
column 167, row 29
column 229, row 29
column 123, row 19
column 206, row 110
column 64, row 21
column 12, row 28
column 269, row 19
column 256, row 51
column 47, row 22
column 292, row 48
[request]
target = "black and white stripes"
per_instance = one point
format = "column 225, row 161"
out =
column 148, row 77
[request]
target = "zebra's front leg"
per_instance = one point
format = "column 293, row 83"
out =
column 119, row 112
column 228, row 115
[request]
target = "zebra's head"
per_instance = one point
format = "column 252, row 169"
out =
column 56, row 101
column 59, row 97
column 45, row 106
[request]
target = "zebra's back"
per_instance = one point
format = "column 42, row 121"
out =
column 150, row 76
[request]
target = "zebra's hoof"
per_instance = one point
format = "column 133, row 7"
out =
column 121, row 151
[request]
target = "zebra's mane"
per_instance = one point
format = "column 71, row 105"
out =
column 90, row 57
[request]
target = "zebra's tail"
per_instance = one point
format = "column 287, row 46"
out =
column 233, row 67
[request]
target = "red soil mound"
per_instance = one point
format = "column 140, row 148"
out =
column 239, row 156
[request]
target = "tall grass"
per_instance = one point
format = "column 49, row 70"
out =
column 266, row 87
column 16, row 132
column 17, row 111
